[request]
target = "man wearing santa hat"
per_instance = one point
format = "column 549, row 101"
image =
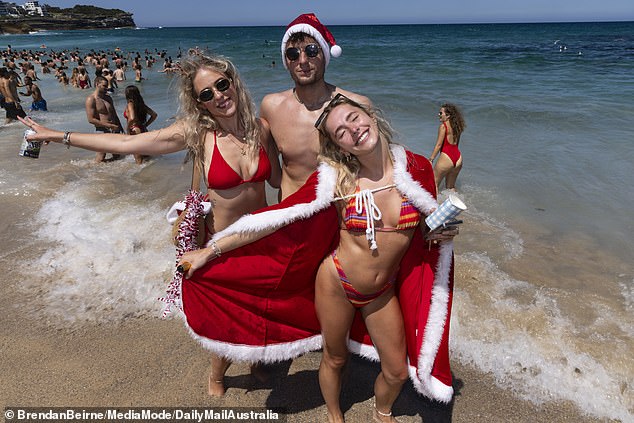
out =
column 307, row 47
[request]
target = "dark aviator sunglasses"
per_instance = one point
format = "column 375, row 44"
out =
column 311, row 50
column 221, row 86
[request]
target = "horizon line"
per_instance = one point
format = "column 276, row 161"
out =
column 393, row 24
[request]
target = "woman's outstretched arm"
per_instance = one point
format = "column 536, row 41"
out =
column 161, row 141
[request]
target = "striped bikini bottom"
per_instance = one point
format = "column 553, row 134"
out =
column 356, row 298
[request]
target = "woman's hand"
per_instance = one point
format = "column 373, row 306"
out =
column 43, row 133
column 195, row 259
column 442, row 234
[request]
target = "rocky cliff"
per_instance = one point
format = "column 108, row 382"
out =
column 69, row 19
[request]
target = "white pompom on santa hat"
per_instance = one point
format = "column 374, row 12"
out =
column 310, row 25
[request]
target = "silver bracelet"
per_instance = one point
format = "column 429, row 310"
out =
column 216, row 249
column 66, row 139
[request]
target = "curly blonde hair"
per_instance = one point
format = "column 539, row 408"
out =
column 197, row 120
column 346, row 164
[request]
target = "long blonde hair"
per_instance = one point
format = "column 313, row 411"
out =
column 197, row 121
column 347, row 165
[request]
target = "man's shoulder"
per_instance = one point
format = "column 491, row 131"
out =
column 273, row 101
column 276, row 98
column 361, row 99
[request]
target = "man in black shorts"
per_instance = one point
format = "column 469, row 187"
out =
column 11, row 102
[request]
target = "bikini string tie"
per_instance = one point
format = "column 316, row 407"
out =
column 365, row 199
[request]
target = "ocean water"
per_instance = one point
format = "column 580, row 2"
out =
column 544, row 297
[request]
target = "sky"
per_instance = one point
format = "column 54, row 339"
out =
column 149, row 13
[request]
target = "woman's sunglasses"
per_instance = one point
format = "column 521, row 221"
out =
column 221, row 86
column 311, row 50
column 336, row 101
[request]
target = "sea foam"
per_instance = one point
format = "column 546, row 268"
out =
column 107, row 255
column 517, row 332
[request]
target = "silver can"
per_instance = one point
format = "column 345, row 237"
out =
column 30, row 148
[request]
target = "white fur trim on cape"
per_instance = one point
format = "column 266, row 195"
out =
column 435, row 327
column 251, row 354
column 419, row 196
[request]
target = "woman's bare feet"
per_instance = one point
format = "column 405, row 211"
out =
column 380, row 417
column 216, row 387
column 219, row 366
column 332, row 419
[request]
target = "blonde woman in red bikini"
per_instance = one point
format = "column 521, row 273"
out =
column 218, row 127
column 446, row 149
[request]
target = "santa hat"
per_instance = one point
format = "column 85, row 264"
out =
column 310, row 25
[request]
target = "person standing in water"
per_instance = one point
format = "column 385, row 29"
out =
column 138, row 114
column 32, row 89
column 446, row 149
column 101, row 112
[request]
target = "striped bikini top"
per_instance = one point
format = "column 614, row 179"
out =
column 357, row 218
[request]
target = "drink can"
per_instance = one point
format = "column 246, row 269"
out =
column 449, row 209
column 30, row 148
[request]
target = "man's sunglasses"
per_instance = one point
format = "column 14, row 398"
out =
column 221, row 86
column 311, row 50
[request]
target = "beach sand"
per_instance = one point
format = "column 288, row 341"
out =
column 149, row 362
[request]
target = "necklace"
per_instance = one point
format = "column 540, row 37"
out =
column 241, row 146
column 313, row 106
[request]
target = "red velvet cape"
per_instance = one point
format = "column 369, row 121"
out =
column 256, row 303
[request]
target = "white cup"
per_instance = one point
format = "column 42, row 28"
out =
column 449, row 209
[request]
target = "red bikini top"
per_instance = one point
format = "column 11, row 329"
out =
column 222, row 176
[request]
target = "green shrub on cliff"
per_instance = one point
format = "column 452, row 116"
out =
column 82, row 10
column 85, row 11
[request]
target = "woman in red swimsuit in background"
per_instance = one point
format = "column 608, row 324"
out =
column 217, row 125
column 446, row 149
column 138, row 114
